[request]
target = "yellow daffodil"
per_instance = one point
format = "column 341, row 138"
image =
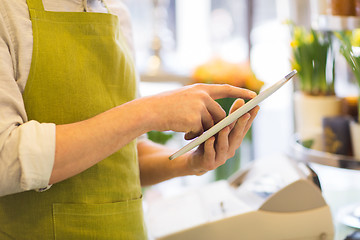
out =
column 298, row 33
column 309, row 38
column 294, row 43
column 296, row 66
column 355, row 40
column 309, row 57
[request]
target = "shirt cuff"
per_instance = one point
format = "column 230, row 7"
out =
column 37, row 154
column 43, row 189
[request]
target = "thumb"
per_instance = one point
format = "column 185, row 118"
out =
column 236, row 105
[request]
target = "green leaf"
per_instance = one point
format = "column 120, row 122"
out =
column 307, row 143
column 160, row 137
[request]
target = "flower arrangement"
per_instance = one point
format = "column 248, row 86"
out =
column 350, row 43
column 220, row 71
column 310, row 51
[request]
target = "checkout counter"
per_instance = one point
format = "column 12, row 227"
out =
column 276, row 198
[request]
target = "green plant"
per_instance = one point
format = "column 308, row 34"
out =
column 233, row 164
column 310, row 52
column 160, row 137
column 350, row 49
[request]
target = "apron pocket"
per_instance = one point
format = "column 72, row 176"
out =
column 119, row 220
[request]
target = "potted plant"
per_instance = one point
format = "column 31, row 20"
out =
column 350, row 49
column 314, row 96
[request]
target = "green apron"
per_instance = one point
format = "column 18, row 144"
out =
column 81, row 66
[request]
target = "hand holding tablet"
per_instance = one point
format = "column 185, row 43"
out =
column 233, row 116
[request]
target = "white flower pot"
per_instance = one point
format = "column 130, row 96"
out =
column 309, row 112
column 355, row 138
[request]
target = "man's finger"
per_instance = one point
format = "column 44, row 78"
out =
column 217, row 91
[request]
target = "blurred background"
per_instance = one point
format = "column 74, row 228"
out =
column 252, row 44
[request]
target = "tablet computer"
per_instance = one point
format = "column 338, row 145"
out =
column 233, row 116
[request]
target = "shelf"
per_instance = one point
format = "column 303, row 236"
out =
column 304, row 154
column 165, row 77
column 336, row 23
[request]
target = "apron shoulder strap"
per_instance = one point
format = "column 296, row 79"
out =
column 35, row 4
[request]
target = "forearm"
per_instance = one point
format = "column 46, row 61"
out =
column 82, row 144
column 155, row 165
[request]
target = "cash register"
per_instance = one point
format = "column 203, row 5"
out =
column 273, row 198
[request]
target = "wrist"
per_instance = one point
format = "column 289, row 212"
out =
column 148, row 114
column 181, row 166
column 125, row 120
column 189, row 164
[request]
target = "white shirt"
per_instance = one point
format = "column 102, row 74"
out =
column 27, row 148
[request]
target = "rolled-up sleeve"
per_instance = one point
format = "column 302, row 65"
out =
column 27, row 148
column 27, row 157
